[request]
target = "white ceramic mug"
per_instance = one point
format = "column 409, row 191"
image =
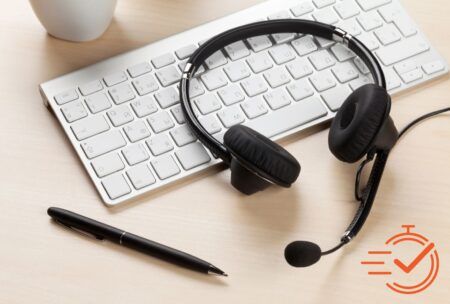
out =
column 75, row 20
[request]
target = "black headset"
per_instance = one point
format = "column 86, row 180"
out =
column 362, row 128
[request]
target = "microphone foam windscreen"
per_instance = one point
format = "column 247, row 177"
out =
column 302, row 253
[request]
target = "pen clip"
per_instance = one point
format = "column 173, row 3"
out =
column 91, row 235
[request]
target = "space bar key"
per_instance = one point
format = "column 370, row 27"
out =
column 289, row 117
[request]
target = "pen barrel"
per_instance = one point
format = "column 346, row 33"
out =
column 163, row 252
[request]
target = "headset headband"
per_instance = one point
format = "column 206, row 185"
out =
column 298, row 26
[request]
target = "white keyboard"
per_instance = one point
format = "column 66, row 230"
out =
column 123, row 116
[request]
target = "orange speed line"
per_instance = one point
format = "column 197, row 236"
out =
column 379, row 252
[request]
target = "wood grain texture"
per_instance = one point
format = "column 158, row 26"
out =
column 42, row 263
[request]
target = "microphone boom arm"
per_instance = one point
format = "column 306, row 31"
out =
column 367, row 197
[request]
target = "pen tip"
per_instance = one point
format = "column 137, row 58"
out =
column 215, row 270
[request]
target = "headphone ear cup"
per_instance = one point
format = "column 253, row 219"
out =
column 261, row 155
column 358, row 122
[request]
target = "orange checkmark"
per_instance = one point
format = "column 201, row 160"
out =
column 410, row 267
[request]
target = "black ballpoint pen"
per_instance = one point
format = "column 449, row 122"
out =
column 102, row 231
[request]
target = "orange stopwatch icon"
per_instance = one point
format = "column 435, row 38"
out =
column 410, row 261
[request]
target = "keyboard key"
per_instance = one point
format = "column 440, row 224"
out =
column 360, row 81
column 237, row 71
column 208, row 103
column 300, row 89
column 178, row 114
column 260, row 62
column 231, row 94
column 183, row 135
column 277, row 77
column 259, row 43
column 433, row 67
column 165, row 167
column 186, row 51
column 89, row 127
column 412, row 76
column 390, row 12
column 107, row 164
column 144, row 106
column 103, row 143
column 196, row 88
column 335, row 97
column 351, row 26
column 141, row 176
column 135, row 154
column 323, row 3
column 66, row 97
column 73, row 111
column 139, row 69
column 302, row 9
column 368, row 5
column 167, row 97
column 231, row 116
column 347, row 9
column 282, row 53
column 121, row 93
column 288, row 118
column 214, row 79
column 115, row 78
column 342, row 53
column 406, row 66
column 211, row 124
column 369, row 41
column 160, row 122
column 254, row 108
column 299, row 68
column 326, row 15
column 91, row 87
column 283, row 37
column 98, row 102
column 168, row 76
column 136, row 131
column 304, row 45
column 192, row 156
column 182, row 65
column 163, row 60
column 254, row 86
column 361, row 66
column 370, row 21
column 402, row 50
column 277, row 99
column 159, row 144
column 216, row 60
column 323, row 81
column 387, row 34
column 324, row 43
column 405, row 26
column 237, row 50
column 145, row 84
column 116, row 186
column 322, row 60
column 120, row 115
column 279, row 15
column 345, row 72
column 392, row 80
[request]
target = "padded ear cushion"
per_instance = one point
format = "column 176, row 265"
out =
column 358, row 122
column 262, row 154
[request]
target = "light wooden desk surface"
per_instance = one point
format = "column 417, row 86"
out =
column 42, row 263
